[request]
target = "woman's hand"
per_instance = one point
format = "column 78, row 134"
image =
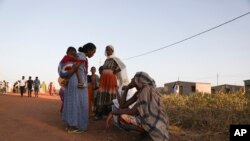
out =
column 109, row 118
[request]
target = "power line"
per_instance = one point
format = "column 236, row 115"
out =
column 223, row 76
column 188, row 37
column 236, row 75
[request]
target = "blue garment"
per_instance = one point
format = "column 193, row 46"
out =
column 36, row 83
column 75, row 110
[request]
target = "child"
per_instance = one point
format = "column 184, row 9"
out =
column 68, row 70
column 93, row 83
column 61, row 92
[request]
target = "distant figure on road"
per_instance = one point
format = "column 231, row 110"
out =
column 43, row 87
column 16, row 87
column 4, row 89
column 22, row 85
column 29, row 86
column 51, row 88
column 36, row 86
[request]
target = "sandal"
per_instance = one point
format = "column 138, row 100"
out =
column 80, row 131
column 71, row 129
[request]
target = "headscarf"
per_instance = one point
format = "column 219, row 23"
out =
column 151, row 108
column 122, row 75
column 142, row 79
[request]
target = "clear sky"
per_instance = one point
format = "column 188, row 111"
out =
column 34, row 36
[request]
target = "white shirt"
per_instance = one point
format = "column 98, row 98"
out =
column 22, row 82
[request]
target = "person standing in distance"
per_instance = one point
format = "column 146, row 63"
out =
column 22, row 85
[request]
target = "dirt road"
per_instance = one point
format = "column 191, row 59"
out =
column 38, row 119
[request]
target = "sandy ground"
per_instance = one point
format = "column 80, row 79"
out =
column 38, row 119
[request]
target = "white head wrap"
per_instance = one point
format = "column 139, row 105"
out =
column 122, row 76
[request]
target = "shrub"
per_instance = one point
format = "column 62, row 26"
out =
column 208, row 113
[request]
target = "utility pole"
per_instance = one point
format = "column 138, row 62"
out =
column 217, row 78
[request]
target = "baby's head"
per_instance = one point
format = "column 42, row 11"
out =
column 71, row 51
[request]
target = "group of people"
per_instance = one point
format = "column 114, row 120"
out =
column 22, row 86
column 143, row 112
column 29, row 84
column 4, row 86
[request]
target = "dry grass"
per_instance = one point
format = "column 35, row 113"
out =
column 207, row 117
